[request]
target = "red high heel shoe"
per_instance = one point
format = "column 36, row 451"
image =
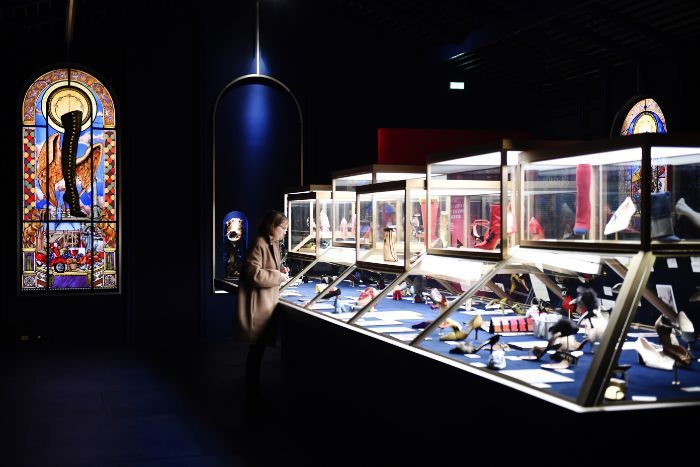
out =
column 493, row 237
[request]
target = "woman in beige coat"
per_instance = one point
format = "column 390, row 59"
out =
column 258, row 293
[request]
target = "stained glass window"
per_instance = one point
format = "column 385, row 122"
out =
column 645, row 116
column 69, row 224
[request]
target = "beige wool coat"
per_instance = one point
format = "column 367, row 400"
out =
column 258, row 291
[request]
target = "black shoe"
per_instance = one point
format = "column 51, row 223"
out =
column 333, row 293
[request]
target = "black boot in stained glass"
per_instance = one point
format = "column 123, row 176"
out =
column 69, row 149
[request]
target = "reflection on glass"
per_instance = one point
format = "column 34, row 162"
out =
column 596, row 197
column 675, row 199
column 657, row 359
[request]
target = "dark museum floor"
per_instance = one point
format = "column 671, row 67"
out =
column 122, row 406
column 86, row 406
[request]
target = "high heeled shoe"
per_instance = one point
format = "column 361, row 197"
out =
column 686, row 327
column 468, row 348
column 538, row 351
column 457, row 333
column 664, row 327
column 650, row 356
column 490, row 341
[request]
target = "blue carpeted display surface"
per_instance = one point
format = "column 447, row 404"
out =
column 642, row 381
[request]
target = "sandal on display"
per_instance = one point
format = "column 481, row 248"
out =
column 664, row 328
column 468, row 348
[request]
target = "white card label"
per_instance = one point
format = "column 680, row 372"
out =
column 539, row 288
column 695, row 263
column 672, row 263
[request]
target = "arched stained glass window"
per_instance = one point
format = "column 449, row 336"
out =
column 69, row 224
column 645, row 116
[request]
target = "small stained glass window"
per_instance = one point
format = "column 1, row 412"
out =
column 645, row 116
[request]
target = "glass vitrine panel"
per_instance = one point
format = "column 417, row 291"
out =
column 408, row 306
column 533, row 311
column 591, row 197
column 344, row 218
column 675, row 194
column 657, row 357
column 466, row 203
column 381, row 227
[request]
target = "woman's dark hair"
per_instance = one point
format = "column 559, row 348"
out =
column 271, row 220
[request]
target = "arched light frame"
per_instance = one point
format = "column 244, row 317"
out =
column 246, row 80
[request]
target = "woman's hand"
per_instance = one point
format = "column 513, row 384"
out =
column 284, row 277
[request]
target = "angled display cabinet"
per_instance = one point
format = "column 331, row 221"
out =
column 345, row 183
column 334, row 270
column 589, row 299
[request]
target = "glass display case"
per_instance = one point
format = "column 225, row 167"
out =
column 345, row 182
column 538, row 320
column 595, row 195
column 473, row 199
column 385, row 235
column 416, row 298
column 593, row 309
column 308, row 212
column 314, row 281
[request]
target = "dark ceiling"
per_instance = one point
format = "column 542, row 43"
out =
column 544, row 43
column 540, row 46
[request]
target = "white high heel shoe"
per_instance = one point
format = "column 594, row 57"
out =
column 686, row 327
column 621, row 218
column 651, row 356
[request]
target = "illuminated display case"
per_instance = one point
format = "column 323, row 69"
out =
column 309, row 232
column 345, row 182
column 386, row 237
column 333, row 275
column 596, row 194
column 587, row 321
column 473, row 200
